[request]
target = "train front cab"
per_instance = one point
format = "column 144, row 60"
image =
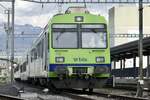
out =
column 79, row 53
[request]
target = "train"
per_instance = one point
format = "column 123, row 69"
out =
column 73, row 51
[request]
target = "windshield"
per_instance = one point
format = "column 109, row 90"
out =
column 93, row 40
column 65, row 36
column 65, row 40
column 93, row 36
column 79, row 36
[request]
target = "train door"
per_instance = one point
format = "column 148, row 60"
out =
column 39, row 58
column 45, row 54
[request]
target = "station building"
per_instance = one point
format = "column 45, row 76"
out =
column 125, row 20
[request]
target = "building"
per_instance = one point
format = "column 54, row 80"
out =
column 125, row 20
column 3, row 72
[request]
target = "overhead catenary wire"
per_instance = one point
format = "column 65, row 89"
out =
column 88, row 1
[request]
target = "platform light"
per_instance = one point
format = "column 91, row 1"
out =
column 79, row 18
column 100, row 59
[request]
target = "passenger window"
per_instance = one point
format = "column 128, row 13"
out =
column 35, row 54
column 39, row 49
column 42, row 48
column 27, row 59
column 48, row 41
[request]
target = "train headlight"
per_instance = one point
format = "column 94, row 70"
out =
column 59, row 59
column 79, row 18
column 100, row 69
column 100, row 59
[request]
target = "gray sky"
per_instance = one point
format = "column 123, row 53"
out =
column 33, row 13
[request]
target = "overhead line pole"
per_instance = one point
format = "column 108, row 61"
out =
column 12, row 36
column 140, row 81
column 141, row 38
column 7, row 37
column 7, row 29
column 12, row 41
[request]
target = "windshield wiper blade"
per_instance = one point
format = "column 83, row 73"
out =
column 93, row 30
column 58, row 36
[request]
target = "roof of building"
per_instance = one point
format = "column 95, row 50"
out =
column 130, row 49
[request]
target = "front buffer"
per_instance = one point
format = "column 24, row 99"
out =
column 79, row 75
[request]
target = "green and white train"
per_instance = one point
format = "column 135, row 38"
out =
column 73, row 51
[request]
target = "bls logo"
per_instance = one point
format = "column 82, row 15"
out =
column 79, row 59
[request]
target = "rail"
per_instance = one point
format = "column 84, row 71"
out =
column 7, row 97
column 108, row 95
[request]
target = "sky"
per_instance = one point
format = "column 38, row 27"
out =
column 38, row 15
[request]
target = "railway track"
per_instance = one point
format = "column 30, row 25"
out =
column 109, row 95
column 68, row 95
column 119, row 97
column 78, row 95
column 7, row 97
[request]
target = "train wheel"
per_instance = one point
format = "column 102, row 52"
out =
column 84, row 89
column 42, row 82
column 90, row 90
column 53, row 89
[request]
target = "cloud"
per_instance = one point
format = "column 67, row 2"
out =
column 38, row 15
column 24, row 8
column 34, row 20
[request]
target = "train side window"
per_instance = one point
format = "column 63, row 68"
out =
column 25, row 65
column 35, row 54
column 45, row 67
column 27, row 59
column 21, row 68
column 38, row 49
column 32, row 55
column 42, row 48
column 48, row 41
column 16, row 69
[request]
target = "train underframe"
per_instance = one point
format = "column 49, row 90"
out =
column 79, row 83
column 57, row 85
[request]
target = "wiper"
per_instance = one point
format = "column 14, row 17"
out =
column 93, row 30
column 61, row 32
